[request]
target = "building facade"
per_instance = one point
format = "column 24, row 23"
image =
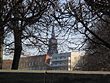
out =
column 34, row 63
column 29, row 63
column 6, row 64
column 64, row 61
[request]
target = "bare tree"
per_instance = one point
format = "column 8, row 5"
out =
column 92, row 22
column 4, row 19
column 97, row 56
column 85, row 18
column 99, row 7
column 58, row 18
column 25, row 13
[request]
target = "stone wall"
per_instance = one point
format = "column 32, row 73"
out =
column 53, row 77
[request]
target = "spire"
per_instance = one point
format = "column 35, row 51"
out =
column 52, row 44
column 53, row 33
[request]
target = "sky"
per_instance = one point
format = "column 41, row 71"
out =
column 74, row 40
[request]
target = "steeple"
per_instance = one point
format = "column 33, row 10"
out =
column 52, row 46
column 53, row 33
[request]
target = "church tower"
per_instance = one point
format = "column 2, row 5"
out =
column 52, row 44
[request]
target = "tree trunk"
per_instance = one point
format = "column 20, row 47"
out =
column 1, row 47
column 18, row 48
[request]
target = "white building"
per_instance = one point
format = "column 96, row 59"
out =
column 65, row 61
